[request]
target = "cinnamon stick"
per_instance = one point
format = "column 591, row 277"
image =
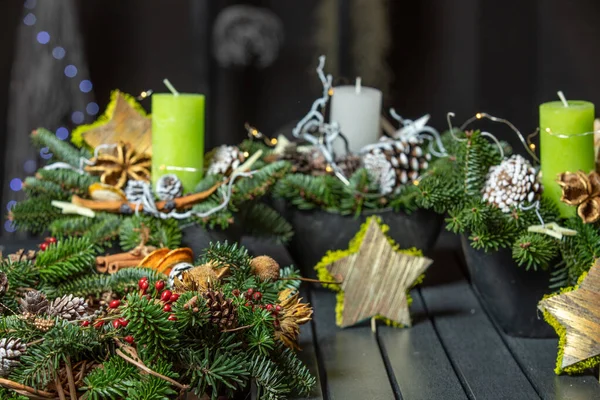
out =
column 19, row 386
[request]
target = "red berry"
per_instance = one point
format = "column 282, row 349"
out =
column 174, row 297
column 43, row 246
column 165, row 296
column 128, row 339
column 257, row 296
column 250, row 291
column 114, row 303
column 167, row 308
column 248, row 304
column 98, row 324
column 278, row 308
column 159, row 285
column 172, row 317
column 51, row 240
column 116, row 324
column 144, row 285
column 269, row 307
column 142, row 281
column 85, row 323
column 123, row 322
column 235, row 292
column 276, row 323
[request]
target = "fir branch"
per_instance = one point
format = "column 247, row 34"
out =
column 38, row 188
column 111, row 381
column 270, row 380
column 65, row 259
column 61, row 150
column 101, row 229
column 151, row 387
column 288, row 273
column 189, row 317
column 258, row 185
column 263, row 221
column 534, row 250
column 69, row 180
column 22, row 276
column 308, row 192
column 162, row 232
column 301, row 380
column 34, row 215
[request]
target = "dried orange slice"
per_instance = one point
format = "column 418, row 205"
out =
column 173, row 258
column 153, row 259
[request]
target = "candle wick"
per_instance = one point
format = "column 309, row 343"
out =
column 562, row 98
column 170, row 86
column 358, row 84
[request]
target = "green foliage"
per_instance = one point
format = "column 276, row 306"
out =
column 111, row 381
column 162, row 232
column 34, row 187
column 271, row 382
column 61, row 150
column 262, row 221
column 149, row 325
column 101, row 229
column 5, row 394
column 579, row 252
column 34, row 214
column 302, row 380
column 21, row 275
column 150, row 387
column 66, row 259
column 247, row 189
column 534, row 250
column 69, row 180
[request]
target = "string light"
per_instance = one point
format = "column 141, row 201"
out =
column 145, row 94
column 254, row 133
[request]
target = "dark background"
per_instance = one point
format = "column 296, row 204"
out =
column 498, row 56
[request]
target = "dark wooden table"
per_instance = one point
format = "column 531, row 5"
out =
column 453, row 351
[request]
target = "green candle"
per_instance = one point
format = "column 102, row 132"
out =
column 178, row 137
column 562, row 147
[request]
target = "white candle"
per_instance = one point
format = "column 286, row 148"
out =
column 357, row 109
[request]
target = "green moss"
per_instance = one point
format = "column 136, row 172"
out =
column 77, row 136
column 353, row 247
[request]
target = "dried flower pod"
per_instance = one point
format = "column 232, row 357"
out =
column 265, row 268
column 583, row 191
column 293, row 314
column 511, row 184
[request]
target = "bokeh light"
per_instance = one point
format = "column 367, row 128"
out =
column 29, row 19
column 59, row 53
column 62, row 133
column 16, row 184
column 43, row 37
column 92, row 108
column 71, row 71
column 30, row 166
column 77, row 117
column 30, row 4
column 86, row 86
column 10, row 205
column 45, row 153
column 9, row 227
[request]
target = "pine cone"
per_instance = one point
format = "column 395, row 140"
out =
column 511, row 184
column 312, row 162
column 11, row 350
column 265, row 268
column 169, row 187
column 134, row 191
column 22, row 255
column 393, row 163
column 225, row 160
column 3, row 283
column 34, row 303
column 222, row 311
column 68, row 307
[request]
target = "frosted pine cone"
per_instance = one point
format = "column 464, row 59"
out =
column 393, row 163
column 10, row 353
column 34, row 303
column 22, row 255
column 68, row 307
column 225, row 160
column 169, row 187
column 312, row 162
column 135, row 190
column 511, row 184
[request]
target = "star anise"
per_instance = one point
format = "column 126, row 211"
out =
column 116, row 167
column 583, row 191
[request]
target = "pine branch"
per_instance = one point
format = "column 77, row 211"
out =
column 101, row 229
column 65, row 259
column 61, row 150
column 38, row 188
column 534, row 250
column 162, row 232
column 34, row 215
column 21, row 276
column 270, row 379
column 111, row 381
column 308, row 192
column 263, row 221
column 258, row 185
column 301, row 380
column 151, row 387
column 69, row 180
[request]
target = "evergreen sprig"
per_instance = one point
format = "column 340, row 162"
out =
column 61, row 150
column 112, row 381
column 66, row 259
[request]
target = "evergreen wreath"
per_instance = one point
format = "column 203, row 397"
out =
column 68, row 331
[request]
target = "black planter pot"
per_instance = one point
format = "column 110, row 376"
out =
column 198, row 238
column 316, row 232
column 508, row 292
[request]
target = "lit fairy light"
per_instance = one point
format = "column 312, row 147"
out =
column 16, row 184
column 30, row 166
column 62, row 133
column 77, row 117
column 59, row 53
column 92, row 108
column 71, row 71
column 10, row 205
column 29, row 19
column 43, row 37
column 9, row 226
column 45, row 153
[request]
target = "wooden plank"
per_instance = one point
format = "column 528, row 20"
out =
column 537, row 357
column 483, row 363
column 418, row 360
column 352, row 359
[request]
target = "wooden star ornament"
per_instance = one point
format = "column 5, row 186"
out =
column 376, row 276
column 123, row 121
column 575, row 315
